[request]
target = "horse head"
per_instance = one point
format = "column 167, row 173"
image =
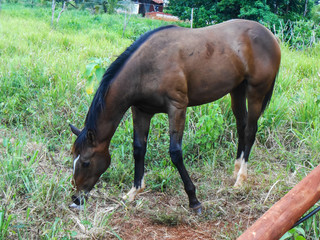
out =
column 91, row 160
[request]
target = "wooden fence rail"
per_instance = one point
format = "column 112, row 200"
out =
column 287, row 211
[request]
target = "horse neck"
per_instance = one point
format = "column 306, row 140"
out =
column 117, row 103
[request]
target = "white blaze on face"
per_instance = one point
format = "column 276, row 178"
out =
column 74, row 164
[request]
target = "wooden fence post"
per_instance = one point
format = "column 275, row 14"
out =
column 287, row 211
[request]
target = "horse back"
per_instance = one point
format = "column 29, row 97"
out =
column 196, row 66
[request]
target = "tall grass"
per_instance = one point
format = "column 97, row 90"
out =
column 43, row 88
column 42, row 70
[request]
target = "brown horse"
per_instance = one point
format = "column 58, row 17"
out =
column 167, row 70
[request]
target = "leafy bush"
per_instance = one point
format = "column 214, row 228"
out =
column 259, row 12
column 299, row 34
column 208, row 126
column 315, row 14
column 94, row 71
column 296, row 233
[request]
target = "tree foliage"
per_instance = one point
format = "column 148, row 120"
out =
column 268, row 11
column 315, row 14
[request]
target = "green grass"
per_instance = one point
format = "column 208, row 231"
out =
column 42, row 90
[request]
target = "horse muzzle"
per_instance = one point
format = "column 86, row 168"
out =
column 79, row 200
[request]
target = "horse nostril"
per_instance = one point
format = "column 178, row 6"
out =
column 78, row 200
column 75, row 200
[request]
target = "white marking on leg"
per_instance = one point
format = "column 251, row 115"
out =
column 74, row 164
column 242, row 174
column 237, row 165
column 134, row 191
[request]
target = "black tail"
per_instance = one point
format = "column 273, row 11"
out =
column 267, row 97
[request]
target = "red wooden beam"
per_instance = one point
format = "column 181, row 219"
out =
column 287, row 211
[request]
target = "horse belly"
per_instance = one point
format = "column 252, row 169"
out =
column 212, row 85
column 206, row 95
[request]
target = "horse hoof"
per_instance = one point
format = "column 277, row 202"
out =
column 239, row 183
column 197, row 209
column 127, row 199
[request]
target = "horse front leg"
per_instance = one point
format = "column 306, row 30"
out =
column 176, row 127
column 141, row 125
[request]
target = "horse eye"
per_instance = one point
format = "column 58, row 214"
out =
column 85, row 164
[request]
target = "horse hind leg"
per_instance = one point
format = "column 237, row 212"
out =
column 238, row 104
column 141, row 123
column 255, row 107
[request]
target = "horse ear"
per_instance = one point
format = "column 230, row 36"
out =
column 75, row 130
column 91, row 137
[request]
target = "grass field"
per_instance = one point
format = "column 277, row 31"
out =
column 43, row 89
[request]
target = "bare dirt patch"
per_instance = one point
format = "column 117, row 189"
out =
column 154, row 215
column 141, row 228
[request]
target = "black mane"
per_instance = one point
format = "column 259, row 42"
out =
column 98, row 102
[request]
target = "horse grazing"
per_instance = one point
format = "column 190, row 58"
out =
column 165, row 71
